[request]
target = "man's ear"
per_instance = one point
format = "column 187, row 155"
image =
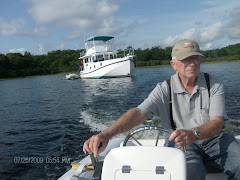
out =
column 173, row 64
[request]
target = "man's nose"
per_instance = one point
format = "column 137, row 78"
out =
column 192, row 61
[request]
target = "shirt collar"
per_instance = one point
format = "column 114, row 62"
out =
column 201, row 82
column 178, row 88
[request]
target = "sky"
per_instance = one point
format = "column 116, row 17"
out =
column 41, row 26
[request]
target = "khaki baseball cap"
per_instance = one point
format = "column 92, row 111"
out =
column 185, row 48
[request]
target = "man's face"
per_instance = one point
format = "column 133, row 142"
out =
column 187, row 68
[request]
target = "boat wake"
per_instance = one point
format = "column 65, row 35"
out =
column 232, row 126
column 92, row 122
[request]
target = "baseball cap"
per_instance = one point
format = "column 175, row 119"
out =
column 185, row 48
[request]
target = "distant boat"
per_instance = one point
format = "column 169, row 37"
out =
column 101, row 59
column 71, row 76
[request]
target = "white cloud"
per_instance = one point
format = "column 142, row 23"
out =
column 211, row 33
column 16, row 28
column 10, row 28
column 40, row 49
column 36, row 32
column 170, row 40
column 232, row 28
column 188, row 34
column 86, row 15
column 208, row 2
column 207, row 46
column 20, row 50
column 44, row 48
column 203, row 36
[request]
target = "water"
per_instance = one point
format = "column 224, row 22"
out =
column 45, row 120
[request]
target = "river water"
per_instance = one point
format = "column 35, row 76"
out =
column 45, row 120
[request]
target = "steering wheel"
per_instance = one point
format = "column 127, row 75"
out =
column 152, row 128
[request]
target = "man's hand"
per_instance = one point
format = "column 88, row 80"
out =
column 92, row 145
column 183, row 137
column 126, row 122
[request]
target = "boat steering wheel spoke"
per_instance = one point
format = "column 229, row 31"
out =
column 151, row 128
column 146, row 128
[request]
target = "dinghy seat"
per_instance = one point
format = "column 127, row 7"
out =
column 144, row 162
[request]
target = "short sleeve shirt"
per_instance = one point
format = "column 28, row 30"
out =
column 188, row 110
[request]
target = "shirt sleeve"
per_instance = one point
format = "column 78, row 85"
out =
column 217, row 99
column 156, row 104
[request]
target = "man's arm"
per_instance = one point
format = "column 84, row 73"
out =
column 209, row 129
column 126, row 122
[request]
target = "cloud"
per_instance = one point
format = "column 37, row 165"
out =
column 203, row 36
column 210, row 2
column 36, row 32
column 188, row 34
column 10, row 28
column 207, row 46
column 44, row 48
column 210, row 32
column 96, row 16
column 20, row 50
column 16, row 28
column 233, row 26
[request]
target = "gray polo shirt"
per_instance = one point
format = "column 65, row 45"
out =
column 189, row 110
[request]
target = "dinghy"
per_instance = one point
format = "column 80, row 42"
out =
column 71, row 76
column 131, row 158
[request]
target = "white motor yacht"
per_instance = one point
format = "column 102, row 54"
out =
column 102, row 60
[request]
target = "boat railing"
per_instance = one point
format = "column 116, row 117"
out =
column 82, row 53
column 126, row 52
column 80, row 68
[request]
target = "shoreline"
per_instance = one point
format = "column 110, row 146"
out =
column 208, row 62
column 2, row 79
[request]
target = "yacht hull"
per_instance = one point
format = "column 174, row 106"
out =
column 121, row 67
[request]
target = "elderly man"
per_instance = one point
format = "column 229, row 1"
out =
column 192, row 103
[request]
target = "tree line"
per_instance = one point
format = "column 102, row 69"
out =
column 157, row 56
column 20, row 65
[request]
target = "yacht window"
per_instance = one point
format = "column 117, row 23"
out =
column 100, row 58
column 94, row 59
column 106, row 56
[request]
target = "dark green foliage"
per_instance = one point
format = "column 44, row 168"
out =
column 158, row 56
column 18, row 65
